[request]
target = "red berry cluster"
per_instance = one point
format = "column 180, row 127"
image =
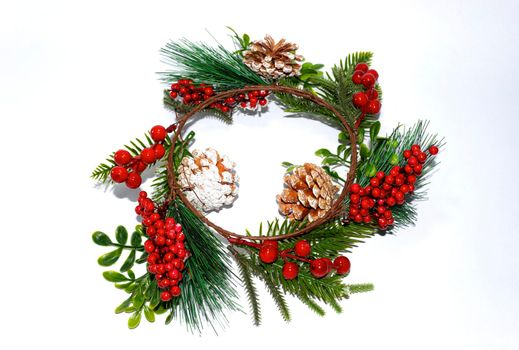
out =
column 366, row 100
column 128, row 168
column 384, row 191
column 195, row 94
column 269, row 252
column 165, row 246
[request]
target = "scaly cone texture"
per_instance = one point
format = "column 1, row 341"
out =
column 309, row 193
column 273, row 60
column 208, row 180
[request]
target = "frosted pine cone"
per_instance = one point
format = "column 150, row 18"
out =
column 273, row 60
column 208, row 180
column 309, row 193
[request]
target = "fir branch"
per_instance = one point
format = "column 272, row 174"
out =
column 206, row 64
column 102, row 172
column 250, row 288
column 312, row 305
column 208, row 288
column 273, row 289
column 360, row 288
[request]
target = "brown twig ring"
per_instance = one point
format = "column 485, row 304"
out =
column 338, row 203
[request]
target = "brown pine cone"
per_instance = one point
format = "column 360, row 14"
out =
column 309, row 193
column 273, row 60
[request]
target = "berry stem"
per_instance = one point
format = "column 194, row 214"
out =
column 295, row 257
column 361, row 118
column 240, row 241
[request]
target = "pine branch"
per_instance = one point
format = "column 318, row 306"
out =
column 250, row 288
column 206, row 64
column 208, row 288
column 312, row 305
column 360, row 288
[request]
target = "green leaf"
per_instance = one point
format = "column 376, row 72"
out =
column 246, row 40
column 128, row 263
column 364, row 151
column 121, row 234
column 134, row 320
column 344, row 138
column 101, row 238
column 122, row 285
column 131, row 275
column 138, row 300
column 123, row 306
column 170, row 317
column 110, row 258
column 394, row 160
column 360, row 136
column 329, row 160
column 374, row 130
column 286, row 164
column 323, row 152
column 136, row 239
column 371, row 170
column 114, row 276
column 149, row 314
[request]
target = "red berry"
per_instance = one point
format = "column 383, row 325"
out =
column 399, row 196
column 422, row 157
column 302, row 248
column 355, row 188
column 175, row 291
column 208, row 91
column 357, row 77
column 363, row 67
column 159, row 150
column 270, row 243
column 290, row 270
column 412, row 161
column 368, row 80
column 380, row 175
column 158, row 133
column 411, row 179
column 382, row 222
column 373, row 107
column 122, row 157
column 433, row 150
column 407, row 154
column 149, row 246
column 357, row 218
column 268, row 254
column 360, row 99
column 173, row 94
column 165, row 296
column 134, row 180
column 418, row 169
column 390, row 201
column 373, row 72
column 354, row 198
column 320, row 267
column 119, row 174
column 374, row 182
column 342, row 265
column 175, row 87
column 230, row 101
column 148, row 155
column 262, row 101
column 415, row 148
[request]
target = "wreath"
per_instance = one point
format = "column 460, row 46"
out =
column 189, row 259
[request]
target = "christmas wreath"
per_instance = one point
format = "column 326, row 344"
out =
column 188, row 259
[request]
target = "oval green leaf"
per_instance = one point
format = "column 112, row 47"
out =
column 374, row 130
column 134, row 320
column 323, row 152
column 394, row 159
column 101, row 238
column 128, row 263
column 114, row 276
column 123, row 306
column 110, row 258
column 131, row 274
column 371, row 170
column 121, row 234
column 360, row 136
column 364, row 151
column 149, row 314
column 138, row 299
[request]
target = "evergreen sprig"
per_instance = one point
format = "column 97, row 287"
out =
column 202, row 63
column 102, row 172
column 208, row 288
column 250, row 288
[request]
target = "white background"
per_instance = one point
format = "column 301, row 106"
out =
column 77, row 81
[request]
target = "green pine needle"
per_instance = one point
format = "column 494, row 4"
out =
column 208, row 288
column 250, row 288
column 360, row 288
column 202, row 63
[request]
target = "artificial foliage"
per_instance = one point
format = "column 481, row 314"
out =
column 194, row 271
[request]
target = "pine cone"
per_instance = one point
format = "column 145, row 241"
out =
column 273, row 60
column 208, row 180
column 309, row 193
